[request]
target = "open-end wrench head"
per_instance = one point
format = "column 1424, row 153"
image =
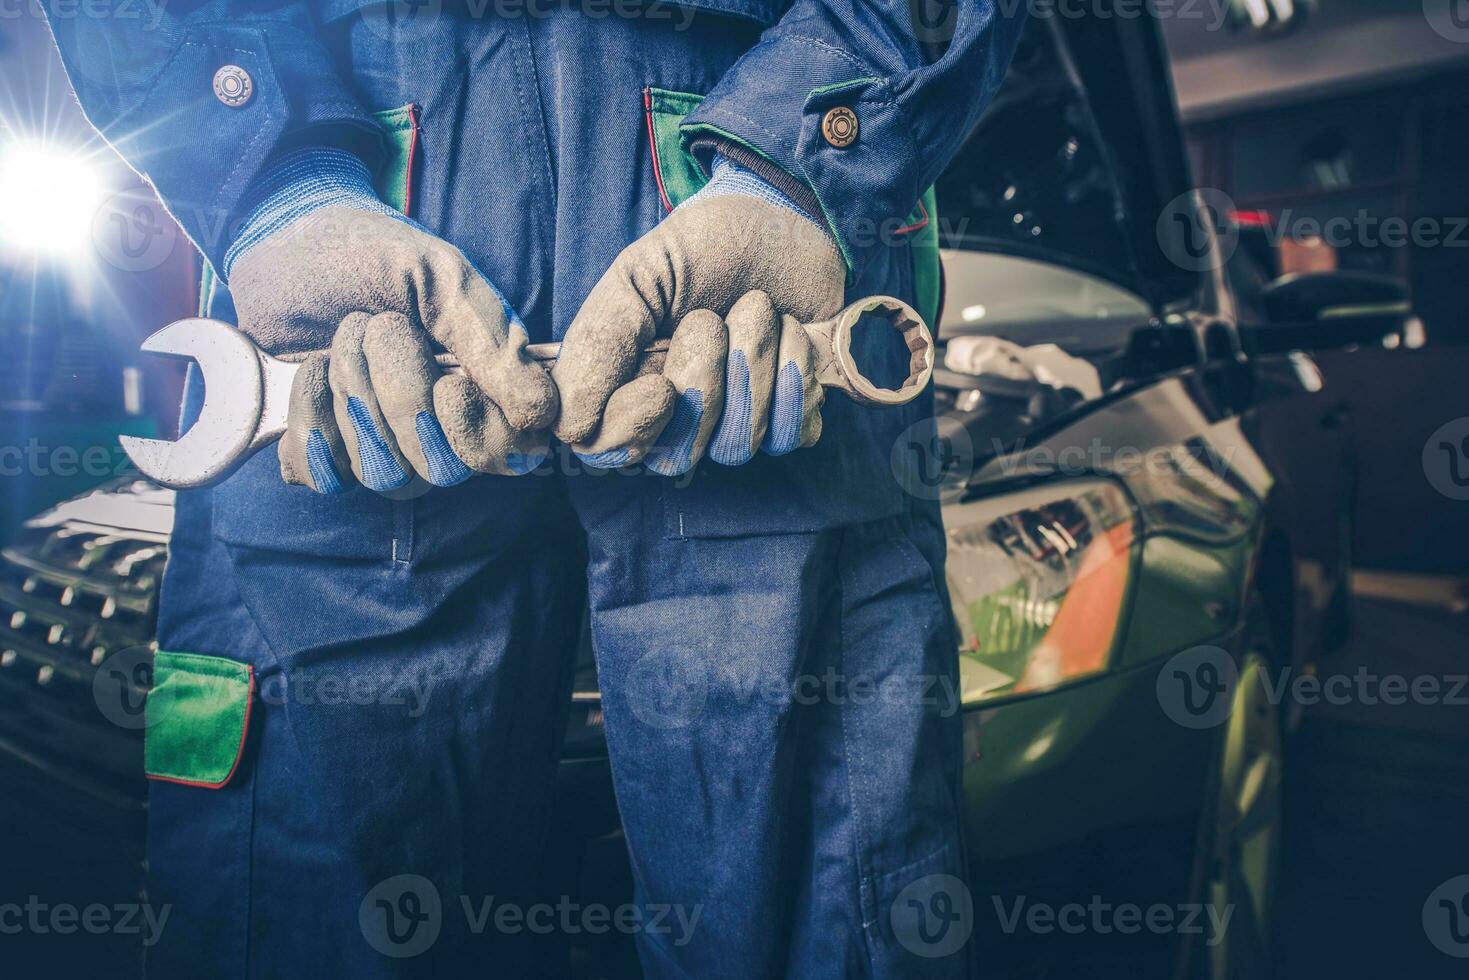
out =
column 233, row 398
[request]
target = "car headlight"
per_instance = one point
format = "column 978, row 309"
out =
column 1039, row 580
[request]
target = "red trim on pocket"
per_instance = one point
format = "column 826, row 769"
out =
column 938, row 314
column 653, row 146
column 239, row 751
column 921, row 223
column 408, row 170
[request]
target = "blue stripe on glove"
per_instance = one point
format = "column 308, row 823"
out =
column 610, row 460
column 380, row 470
column 522, row 463
column 787, row 412
column 672, row 454
column 319, row 461
column 731, row 443
column 444, row 468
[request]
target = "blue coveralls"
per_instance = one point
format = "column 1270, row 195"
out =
column 411, row 659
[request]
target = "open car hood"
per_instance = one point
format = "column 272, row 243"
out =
column 1079, row 160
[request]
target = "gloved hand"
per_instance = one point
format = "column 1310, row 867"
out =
column 321, row 262
column 733, row 272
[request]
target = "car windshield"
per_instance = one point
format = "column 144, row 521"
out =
column 1029, row 301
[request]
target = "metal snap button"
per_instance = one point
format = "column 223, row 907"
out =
column 839, row 126
column 233, row 86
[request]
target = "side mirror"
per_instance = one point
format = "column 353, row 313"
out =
column 1325, row 310
column 1305, row 296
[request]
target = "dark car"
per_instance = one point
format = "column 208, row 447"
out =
column 1146, row 488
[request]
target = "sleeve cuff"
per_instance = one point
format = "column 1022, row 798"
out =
column 210, row 155
column 771, row 105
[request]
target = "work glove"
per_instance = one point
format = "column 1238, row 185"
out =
column 732, row 274
column 321, row 263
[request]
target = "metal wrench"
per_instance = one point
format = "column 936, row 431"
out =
column 246, row 391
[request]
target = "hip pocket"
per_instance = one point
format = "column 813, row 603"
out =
column 198, row 717
column 201, row 813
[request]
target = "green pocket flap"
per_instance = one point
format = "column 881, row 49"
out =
column 679, row 176
column 400, row 141
column 198, row 715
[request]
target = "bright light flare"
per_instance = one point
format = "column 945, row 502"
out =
column 48, row 196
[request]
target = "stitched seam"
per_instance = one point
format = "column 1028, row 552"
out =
column 260, row 131
column 849, row 744
column 734, row 114
column 540, row 121
column 821, row 45
column 926, row 859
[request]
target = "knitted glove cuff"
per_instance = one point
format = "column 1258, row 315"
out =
column 298, row 184
column 730, row 177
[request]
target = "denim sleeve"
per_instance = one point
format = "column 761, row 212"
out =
column 917, row 74
column 146, row 82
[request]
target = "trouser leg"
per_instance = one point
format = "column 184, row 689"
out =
column 401, row 744
column 784, row 732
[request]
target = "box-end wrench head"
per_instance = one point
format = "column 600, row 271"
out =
column 247, row 391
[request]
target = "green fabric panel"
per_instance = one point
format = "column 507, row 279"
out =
column 927, row 275
column 207, row 280
column 400, row 127
column 679, row 173
column 197, row 713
